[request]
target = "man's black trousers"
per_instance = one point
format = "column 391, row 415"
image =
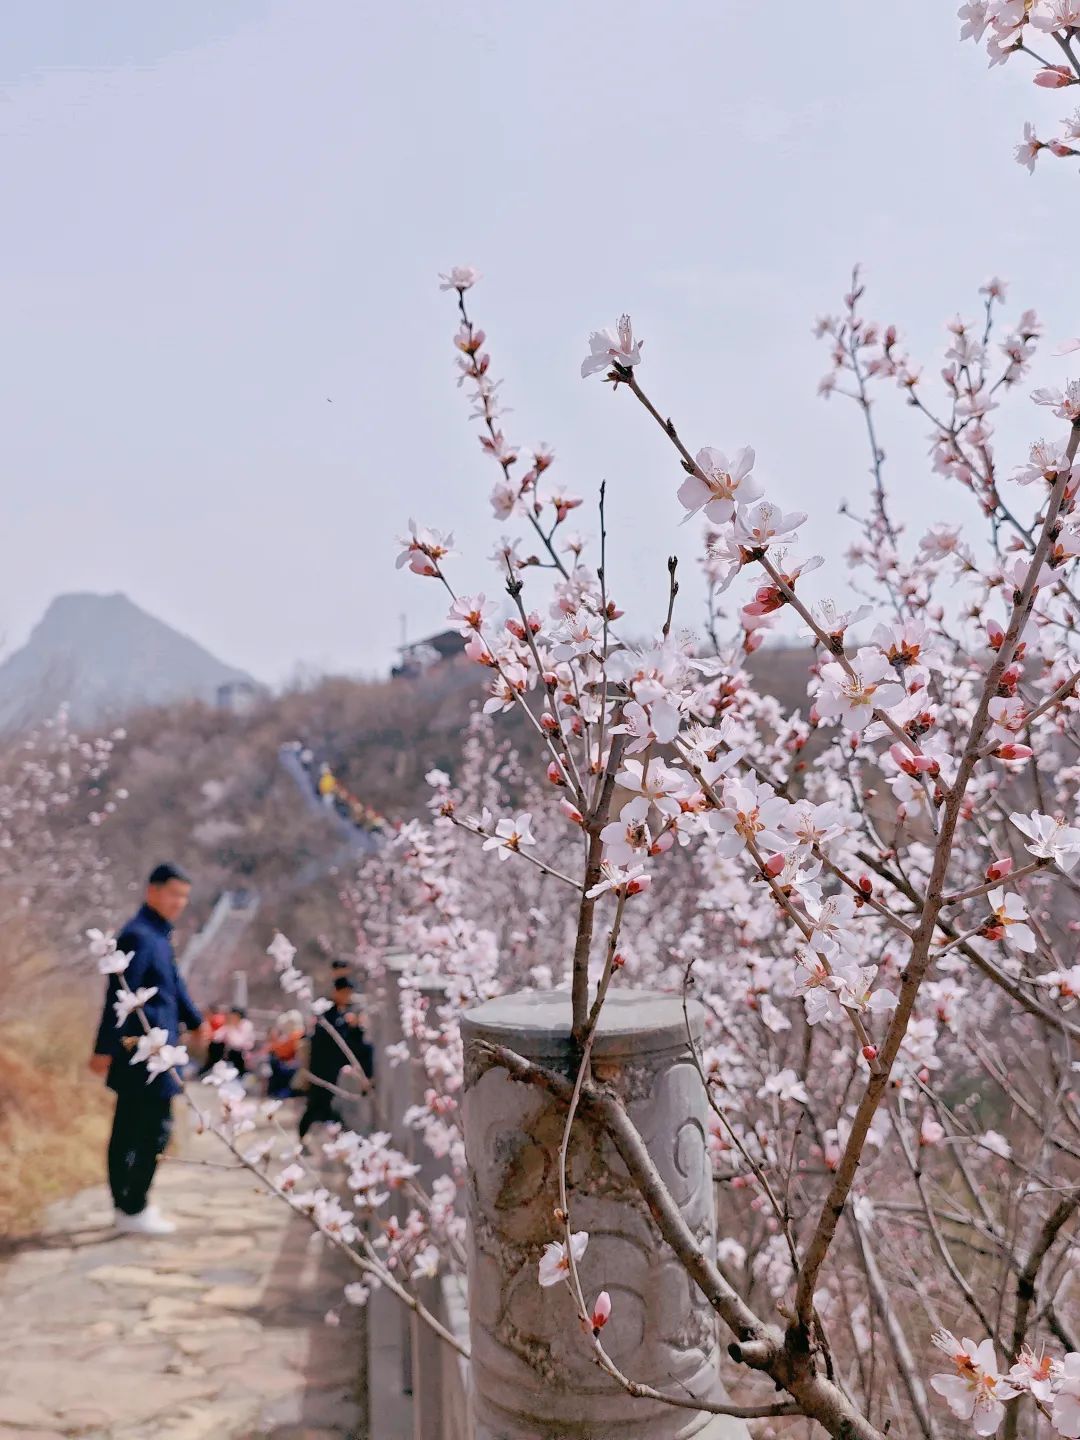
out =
column 141, row 1128
column 320, row 1110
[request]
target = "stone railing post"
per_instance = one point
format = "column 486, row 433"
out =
column 532, row 1375
column 429, row 1404
column 393, row 1091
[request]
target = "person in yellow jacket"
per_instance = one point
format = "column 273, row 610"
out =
column 327, row 785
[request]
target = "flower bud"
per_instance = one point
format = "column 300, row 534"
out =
column 1010, row 677
column 1054, row 77
column 572, row 813
column 1012, row 751
column 998, row 869
column 601, row 1312
column 869, row 1052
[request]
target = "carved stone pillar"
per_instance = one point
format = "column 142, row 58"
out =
column 393, row 1088
column 427, row 1348
column 533, row 1378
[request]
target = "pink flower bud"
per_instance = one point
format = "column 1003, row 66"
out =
column 554, row 774
column 752, row 641
column 1012, row 751
column 869, row 1052
column 994, row 634
column 999, row 868
column 1054, row 77
column 572, row 813
column 774, row 865
column 601, row 1312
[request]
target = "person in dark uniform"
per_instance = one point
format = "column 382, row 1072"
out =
column 337, row 1040
column 142, row 1121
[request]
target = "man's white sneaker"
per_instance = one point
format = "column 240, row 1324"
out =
column 148, row 1222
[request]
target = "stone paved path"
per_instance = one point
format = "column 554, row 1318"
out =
column 216, row 1333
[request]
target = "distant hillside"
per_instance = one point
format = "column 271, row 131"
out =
column 103, row 657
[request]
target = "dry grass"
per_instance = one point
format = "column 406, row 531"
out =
column 54, row 1115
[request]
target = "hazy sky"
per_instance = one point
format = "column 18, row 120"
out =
column 216, row 216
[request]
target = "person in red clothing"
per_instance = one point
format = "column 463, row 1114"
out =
column 283, row 1046
column 215, row 1050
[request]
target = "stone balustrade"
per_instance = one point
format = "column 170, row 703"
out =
column 530, row 1377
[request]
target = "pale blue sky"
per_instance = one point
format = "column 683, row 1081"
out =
column 218, row 215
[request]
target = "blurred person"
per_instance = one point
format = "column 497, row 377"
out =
column 238, row 1037
column 327, row 785
column 286, row 1038
column 142, row 1122
column 336, row 1041
column 215, row 1030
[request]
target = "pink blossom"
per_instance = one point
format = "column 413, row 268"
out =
column 762, row 524
column 1050, row 839
column 975, row 19
column 1046, row 461
column 977, row 1389
column 471, row 613
column 423, row 549
column 155, row 1052
column 555, row 1262
column 1034, row 1373
column 1066, row 1412
column 785, row 1085
column 628, row 838
column 612, row 347
column 720, row 485
column 995, row 1143
column 1064, row 403
column 930, row 1131
column 460, row 278
column 1029, row 147
column 115, row 962
column 631, row 881
column 751, row 812
column 1055, row 15
column 128, row 1001
column 853, row 698
column 281, row 950
column 511, row 835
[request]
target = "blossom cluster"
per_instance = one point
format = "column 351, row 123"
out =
column 785, row 858
column 1008, row 28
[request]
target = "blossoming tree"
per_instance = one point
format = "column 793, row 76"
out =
column 871, row 897
column 54, row 796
